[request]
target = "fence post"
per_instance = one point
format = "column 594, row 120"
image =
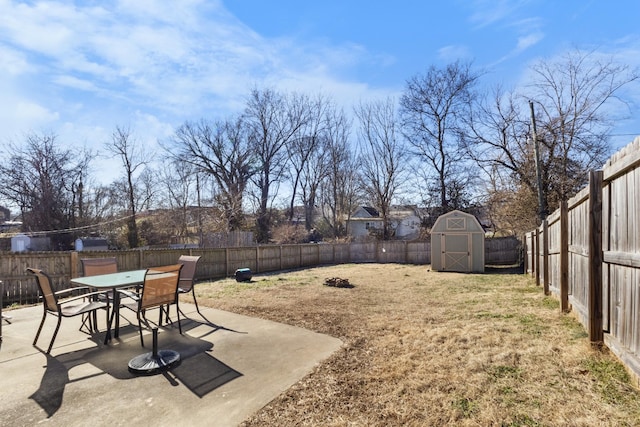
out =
column 226, row 262
column 545, row 257
column 406, row 252
column 537, row 256
column 73, row 272
column 526, row 250
column 257, row 259
column 596, row 334
column 532, row 267
column 333, row 252
column 564, row 256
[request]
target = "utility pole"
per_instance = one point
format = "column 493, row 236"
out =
column 542, row 205
column 200, row 233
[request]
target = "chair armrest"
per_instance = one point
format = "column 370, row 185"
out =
column 69, row 290
column 83, row 296
column 128, row 294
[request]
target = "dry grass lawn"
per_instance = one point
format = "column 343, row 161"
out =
column 423, row 348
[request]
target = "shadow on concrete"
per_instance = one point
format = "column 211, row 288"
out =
column 49, row 394
column 198, row 370
column 203, row 373
column 230, row 369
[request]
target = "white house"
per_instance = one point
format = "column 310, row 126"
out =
column 364, row 218
column 404, row 221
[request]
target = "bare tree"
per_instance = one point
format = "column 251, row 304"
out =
column 134, row 159
column 574, row 98
column 44, row 181
column 382, row 156
column 432, row 108
column 180, row 186
column 274, row 120
column 575, row 94
column 338, row 189
column 222, row 151
column 305, row 150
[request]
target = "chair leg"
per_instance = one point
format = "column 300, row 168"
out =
column 177, row 310
column 140, row 328
column 55, row 333
column 95, row 321
column 178, row 314
column 195, row 301
column 164, row 311
column 88, row 320
column 39, row 328
column 111, row 319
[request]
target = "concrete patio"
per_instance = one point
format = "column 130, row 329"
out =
column 231, row 366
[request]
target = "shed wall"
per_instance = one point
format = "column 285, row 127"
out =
column 457, row 243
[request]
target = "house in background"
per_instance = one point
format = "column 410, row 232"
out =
column 4, row 214
column 404, row 220
column 6, row 224
column 364, row 218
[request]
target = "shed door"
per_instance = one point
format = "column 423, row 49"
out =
column 456, row 252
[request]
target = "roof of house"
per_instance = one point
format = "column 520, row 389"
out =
column 371, row 211
column 365, row 212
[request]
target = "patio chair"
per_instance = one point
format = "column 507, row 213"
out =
column 95, row 266
column 187, row 274
column 84, row 303
column 3, row 316
column 160, row 289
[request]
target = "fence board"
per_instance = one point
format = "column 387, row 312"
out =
column 529, row 253
column 216, row 263
column 603, row 255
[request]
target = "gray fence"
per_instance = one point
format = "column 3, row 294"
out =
column 19, row 287
column 588, row 254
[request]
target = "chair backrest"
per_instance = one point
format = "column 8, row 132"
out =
column 160, row 286
column 188, row 272
column 95, row 266
column 46, row 289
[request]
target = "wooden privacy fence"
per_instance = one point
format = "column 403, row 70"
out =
column 19, row 287
column 588, row 254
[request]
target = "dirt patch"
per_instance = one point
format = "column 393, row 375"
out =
column 428, row 348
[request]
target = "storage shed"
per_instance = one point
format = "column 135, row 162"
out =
column 457, row 243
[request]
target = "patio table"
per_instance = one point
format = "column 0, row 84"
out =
column 113, row 281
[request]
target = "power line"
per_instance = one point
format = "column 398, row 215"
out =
column 67, row 230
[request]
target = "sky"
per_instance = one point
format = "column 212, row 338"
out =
column 78, row 69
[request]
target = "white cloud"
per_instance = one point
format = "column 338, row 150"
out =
column 489, row 12
column 20, row 116
column 75, row 83
column 152, row 64
column 453, row 53
column 152, row 48
column 13, row 62
column 527, row 41
column 33, row 112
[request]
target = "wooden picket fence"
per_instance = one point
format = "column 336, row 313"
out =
column 587, row 253
column 215, row 263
